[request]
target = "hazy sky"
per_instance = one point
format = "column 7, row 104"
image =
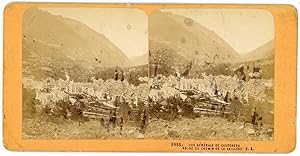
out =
column 243, row 29
column 126, row 28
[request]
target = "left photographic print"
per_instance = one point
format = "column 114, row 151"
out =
column 85, row 73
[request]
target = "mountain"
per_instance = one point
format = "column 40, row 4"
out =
column 53, row 44
column 263, row 52
column 139, row 60
column 187, row 40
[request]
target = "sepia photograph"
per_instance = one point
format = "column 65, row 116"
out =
column 211, row 74
column 85, row 72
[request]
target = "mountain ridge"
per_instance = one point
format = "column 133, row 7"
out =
column 76, row 38
column 190, row 39
column 264, row 51
column 65, row 46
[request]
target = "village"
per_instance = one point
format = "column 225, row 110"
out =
column 122, row 110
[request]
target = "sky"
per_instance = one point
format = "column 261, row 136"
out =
column 243, row 29
column 126, row 28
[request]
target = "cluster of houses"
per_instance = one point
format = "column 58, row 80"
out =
column 220, row 86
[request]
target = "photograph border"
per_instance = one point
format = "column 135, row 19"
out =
column 285, row 18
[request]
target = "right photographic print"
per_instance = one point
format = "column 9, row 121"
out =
column 211, row 74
